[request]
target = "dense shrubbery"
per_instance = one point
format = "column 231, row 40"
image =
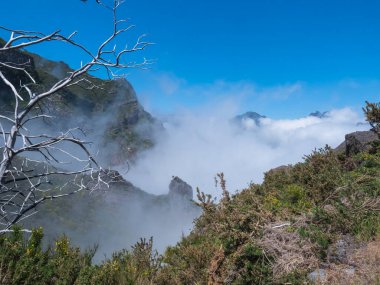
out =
column 24, row 261
column 315, row 202
column 271, row 233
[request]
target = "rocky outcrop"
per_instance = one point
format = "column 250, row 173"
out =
column 356, row 142
column 344, row 261
column 109, row 114
column 341, row 249
column 180, row 189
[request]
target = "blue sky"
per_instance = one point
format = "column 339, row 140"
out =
column 281, row 58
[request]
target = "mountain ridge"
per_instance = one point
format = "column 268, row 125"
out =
column 109, row 108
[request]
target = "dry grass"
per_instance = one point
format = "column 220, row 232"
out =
column 289, row 250
column 214, row 268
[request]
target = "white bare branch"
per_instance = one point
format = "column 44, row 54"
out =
column 7, row 82
column 16, row 67
column 25, row 181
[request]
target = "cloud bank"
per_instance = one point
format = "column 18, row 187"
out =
column 199, row 144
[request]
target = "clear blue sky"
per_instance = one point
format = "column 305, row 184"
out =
column 283, row 58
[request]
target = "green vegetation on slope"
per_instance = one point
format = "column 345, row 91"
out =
column 25, row 262
column 271, row 233
column 278, row 231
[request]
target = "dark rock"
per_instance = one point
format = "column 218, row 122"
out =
column 318, row 114
column 340, row 250
column 357, row 142
column 180, row 189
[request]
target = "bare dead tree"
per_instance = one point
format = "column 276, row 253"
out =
column 30, row 159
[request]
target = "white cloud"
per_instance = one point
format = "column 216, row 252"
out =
column 199, row 144
column 282, row 92
column 200, row 141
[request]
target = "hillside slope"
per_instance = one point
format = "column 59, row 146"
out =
column 315, row 222
column 107, row 110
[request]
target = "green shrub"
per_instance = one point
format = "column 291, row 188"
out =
column 322, row 198
column 253, row 266
column 23, row 261
column 320, row 174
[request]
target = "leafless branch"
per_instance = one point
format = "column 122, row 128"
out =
column 25, row 181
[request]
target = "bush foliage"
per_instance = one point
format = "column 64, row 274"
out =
column 273, row 233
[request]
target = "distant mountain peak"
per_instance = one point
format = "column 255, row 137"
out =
column 248, row 119
column 318, row 114
column 250, row 115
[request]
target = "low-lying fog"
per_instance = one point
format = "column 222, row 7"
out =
column 197, row 145
column 194, row 146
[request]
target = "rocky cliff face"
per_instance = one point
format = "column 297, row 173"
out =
column 179, row 189
column 357, row 142
column 110, row 113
